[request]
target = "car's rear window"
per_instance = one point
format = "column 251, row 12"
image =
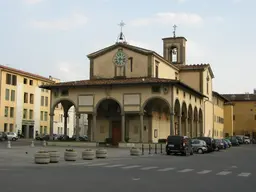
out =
column 174, row 139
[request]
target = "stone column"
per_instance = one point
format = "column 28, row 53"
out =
column 186, row 127
column 51, row 125
column 94, row 126
column 123, row 128
column 89, row 131
column 198, row 128
column 65, row 123
column 141, row 127
column 192, row 127
column 77, row 126
column 172, row 123
column 179, row 125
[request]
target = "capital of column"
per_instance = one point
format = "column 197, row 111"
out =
column 141, row 113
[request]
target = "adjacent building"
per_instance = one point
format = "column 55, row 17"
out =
column 244, row 114
column 25, row 107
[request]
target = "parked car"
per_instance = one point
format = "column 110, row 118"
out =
column 219, row 144
column 240, row 139
column 209, row 142
column 226, row 145
column 12, row 136
column 3, row 136
column 199, row 146
column 247, row 140
column 179, row 144
column 229, row 143
column 234, row 141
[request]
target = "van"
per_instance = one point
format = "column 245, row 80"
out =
column 179, row 144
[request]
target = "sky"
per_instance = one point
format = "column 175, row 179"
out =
column 54, row 37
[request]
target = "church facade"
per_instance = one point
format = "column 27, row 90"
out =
column 136, row 95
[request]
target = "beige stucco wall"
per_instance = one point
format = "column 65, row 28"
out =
column 165, row 70
column 191, row 78
column 103, row 66
column 228, row 119
column 218, row 113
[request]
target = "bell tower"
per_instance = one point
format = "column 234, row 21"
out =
column 174, row 48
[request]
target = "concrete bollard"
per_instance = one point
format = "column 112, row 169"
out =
column 32, row 144
column 9, row 144
column 44, row 143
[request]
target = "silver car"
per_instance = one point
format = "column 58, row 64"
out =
column 199, row 146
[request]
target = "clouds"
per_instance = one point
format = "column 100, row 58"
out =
column 75, row 20
column 32, row 1
column 167, row 18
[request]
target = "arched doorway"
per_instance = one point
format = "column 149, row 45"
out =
column 109, row 122
column 62, row 118
column 156, row 119
column 196, row 128
column 190, row 122
column 184, row 115
column 177, row 117
column 201, row 122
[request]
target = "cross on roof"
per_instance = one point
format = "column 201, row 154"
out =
column 121, row 24
column 174, row 30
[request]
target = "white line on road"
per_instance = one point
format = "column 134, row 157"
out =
column 204, row 172
column 166, row 169
column 97, row 164
column 148, row 168
column 224, row 173
column 82, row 163
column 117, row 165
column 131, row 166
column 244, row 174
column 185, row 170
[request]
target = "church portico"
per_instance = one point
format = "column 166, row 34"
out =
column 135, row 95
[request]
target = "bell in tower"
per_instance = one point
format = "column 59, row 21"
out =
column 174, row 48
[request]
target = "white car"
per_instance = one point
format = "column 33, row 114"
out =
column 12, row 136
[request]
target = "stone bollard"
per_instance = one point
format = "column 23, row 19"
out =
column 44, row 143
column 9, row 145
column 32, row 144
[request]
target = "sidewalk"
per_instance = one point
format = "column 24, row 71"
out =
column 24, row 156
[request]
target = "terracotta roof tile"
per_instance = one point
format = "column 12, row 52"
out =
column 25, row 73
column 120, row 81
column 193, row 66
column 240, row 97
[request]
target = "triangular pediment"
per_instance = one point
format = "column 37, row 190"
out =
column 119, row 45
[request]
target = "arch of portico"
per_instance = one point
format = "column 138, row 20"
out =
column 195, row 122
column 200, row 120
column 66, row 104
column 190, row 130
column 184, row 119
column 177, row 117
column 109, row 121
column 157, row 119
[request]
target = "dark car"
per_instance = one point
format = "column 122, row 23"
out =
column 219, row 144
column 234, row 141
column 179, row 144
column 3, row 136
column 211, row 146
column 240, row 140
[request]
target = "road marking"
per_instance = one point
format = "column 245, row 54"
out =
column 131, row 166
column 166, row 169
column 204, row 172
column 224, row 173
column 97, row 164
column 83, row 163
column 117, row 165
column 148, row 168
column 244, row 174
column 185, row 170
